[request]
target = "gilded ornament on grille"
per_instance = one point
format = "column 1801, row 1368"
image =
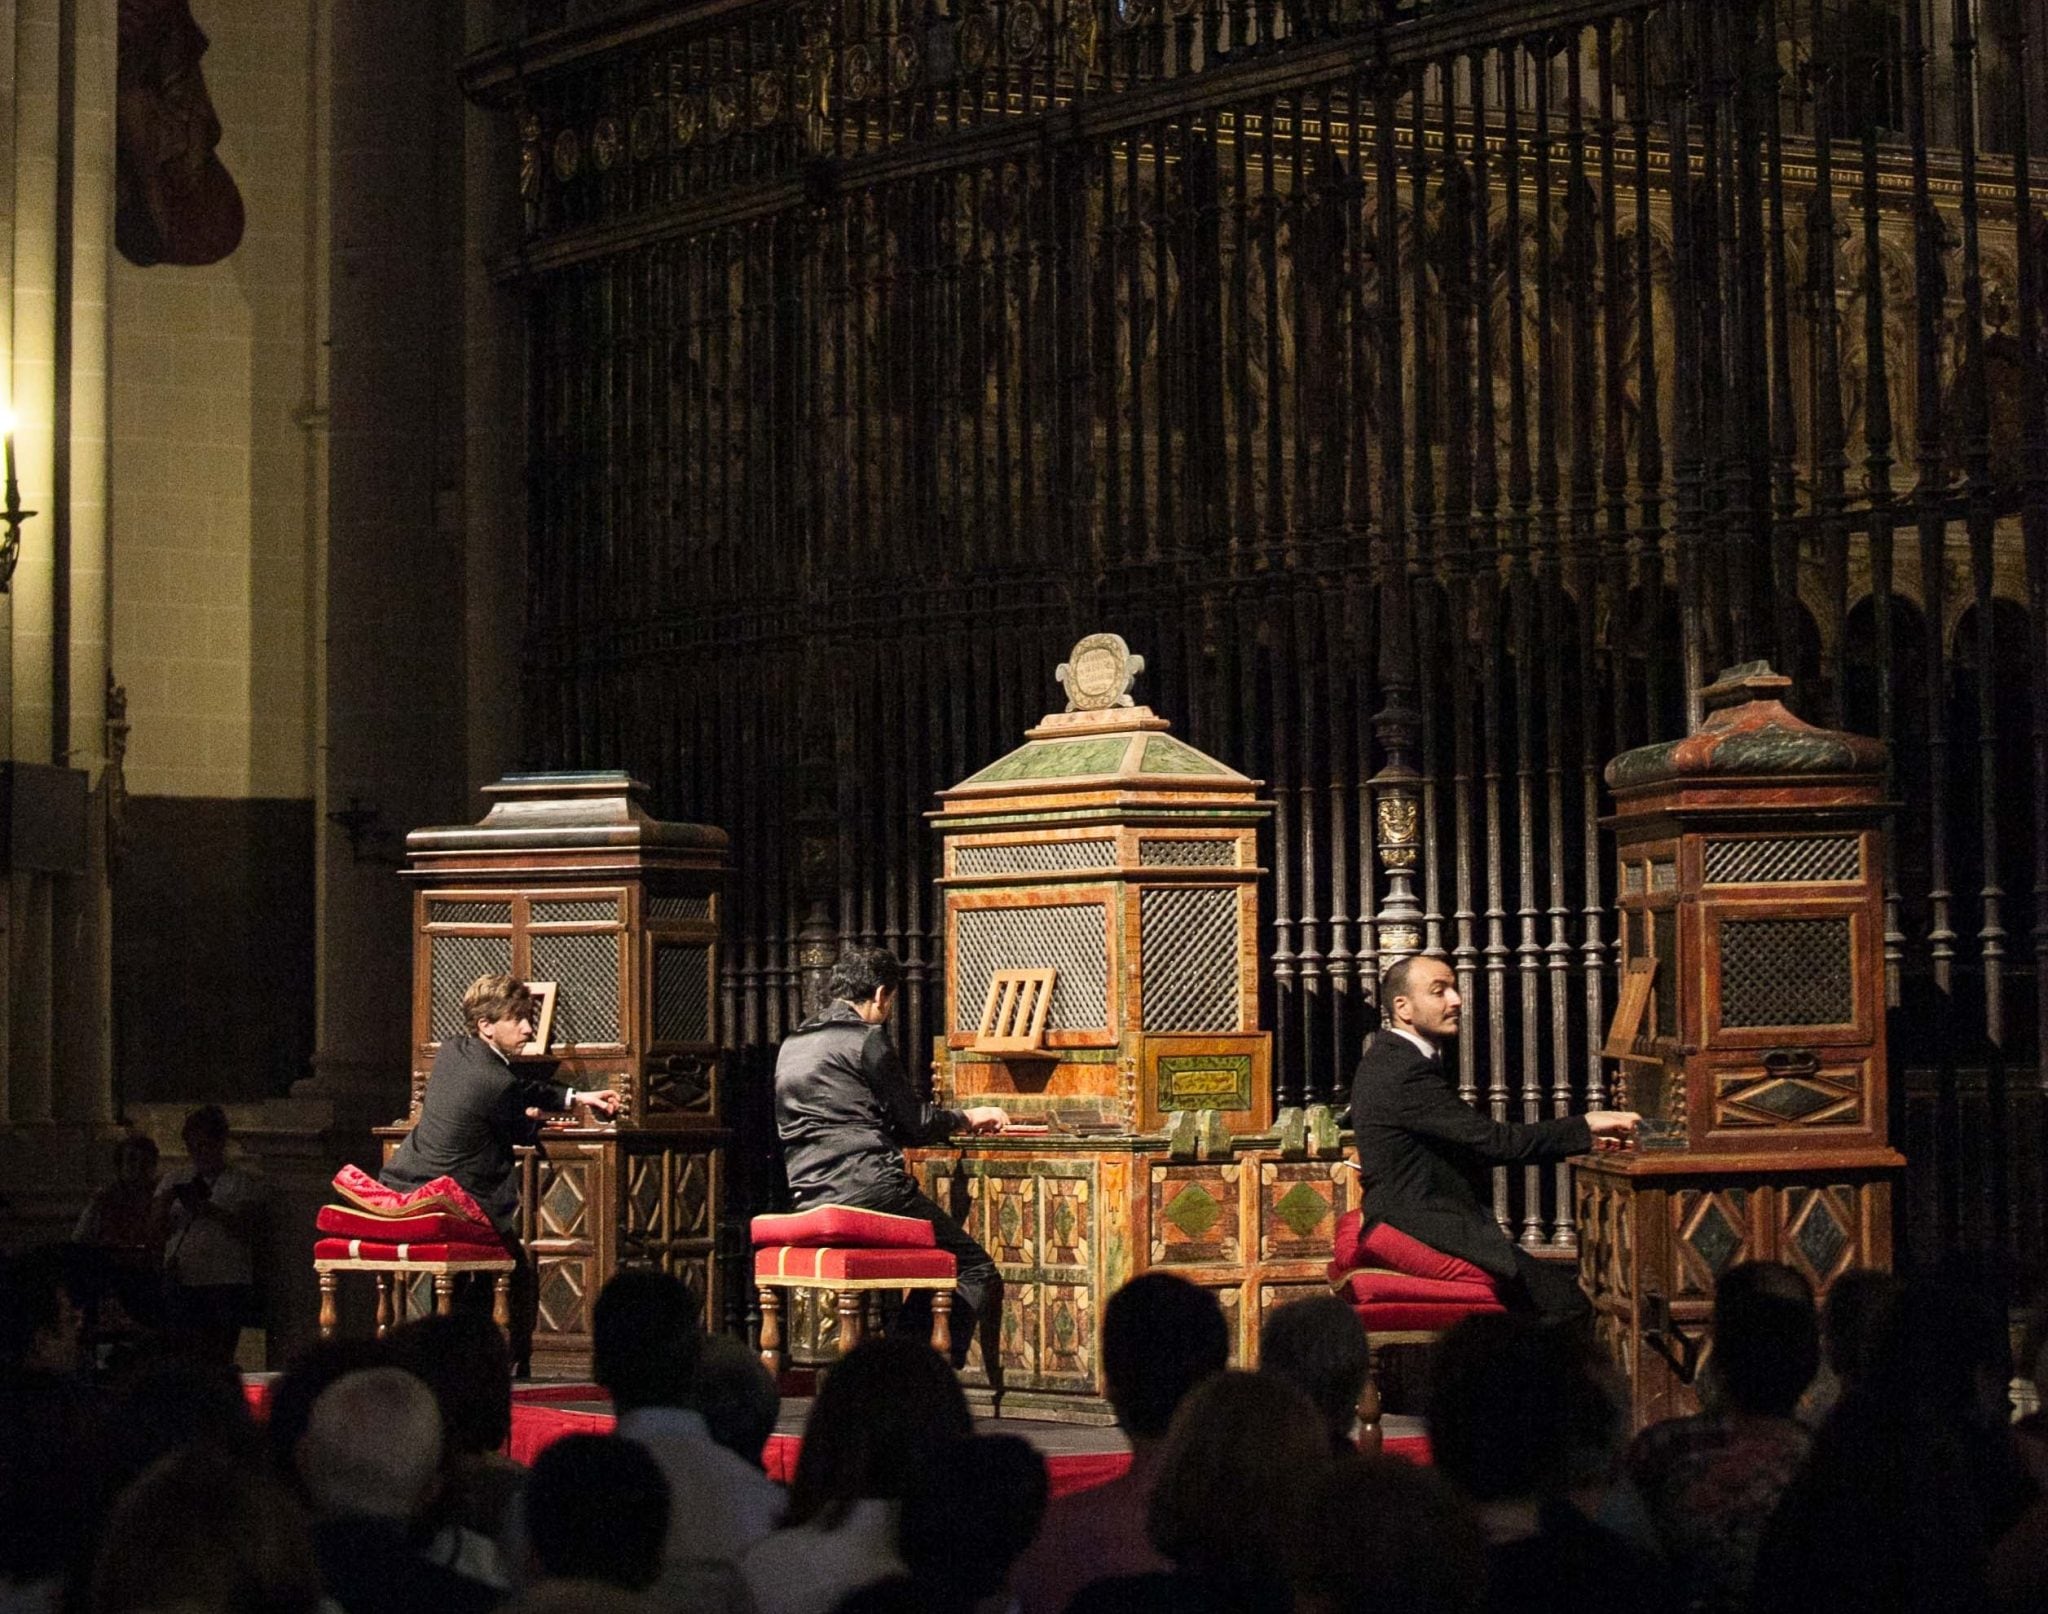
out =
column 607, row 140
column 1084, row 32
column 977, row 41
column 568, row 155
column 1135, row 13
column 1397, row 818
column 906, row 62
column 529, row 156
column 1027, row 30
column 857, row 72
column 1180, row 8
column 725, row 110
column 769, row 97
column 657, row 77
column 646, row 131
column 1098, row 673
column 689, row 118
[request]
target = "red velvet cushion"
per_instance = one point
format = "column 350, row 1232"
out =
column 820, row 1265
column 1409, row 1316
column 385, row 1250
column 1389, row 1247
column 444, row 1195
column 1363, row 1285
column 349, row 1222
column 845, row 1224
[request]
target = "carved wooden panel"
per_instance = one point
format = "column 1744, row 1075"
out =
column 1195, row 1215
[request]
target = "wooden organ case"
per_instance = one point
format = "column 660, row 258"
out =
column 1751, row 885
column 1124, row 861
column 568, row 879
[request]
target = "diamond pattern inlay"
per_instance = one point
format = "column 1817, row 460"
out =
column 1821, row 1238
column 1791, row 1099
column 1715, row 1237
column 1193, row 1210
column 561, row 1206
column 1302, row 1209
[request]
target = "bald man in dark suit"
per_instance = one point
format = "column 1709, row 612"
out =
column 1426, row 1154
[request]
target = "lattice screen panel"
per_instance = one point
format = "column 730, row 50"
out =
column 1786, row 972
column 585, row 968
column 575, row 911
column 454, row 962
column 1189, row 946
column 682, row 994
column 1037, row 857
column 469, row 913
column 1803, row 859
column 1072, row 938
column 679, row 908
column 1174, row 854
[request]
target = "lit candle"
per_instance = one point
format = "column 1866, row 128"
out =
column 7, row 430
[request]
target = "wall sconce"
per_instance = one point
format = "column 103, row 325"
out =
column 363, row 823
column 12, row 514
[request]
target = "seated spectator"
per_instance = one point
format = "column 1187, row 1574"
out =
column 736, row 1397
column 963, row 1525
column 370, row 1460
column 1319, row 1346
column 597, row 1510
column 464, row 1360
column 51, row 1488
column 1242, row 1457
column 878, row 1424
column 1711, row 1482
column 587, row 1597
column 293, row 1392
column 1858, row 1305
column 1161, row 1336
column 42, row 1314
column 207, row 1214
column 1522, row 1421
column 1915, row 1475
column 645, row 1348
column 1386, row 1536
column 173, row 1405
column 203, row 1530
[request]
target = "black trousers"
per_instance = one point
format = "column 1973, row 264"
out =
column 1548, row 1288
column 978, row 1299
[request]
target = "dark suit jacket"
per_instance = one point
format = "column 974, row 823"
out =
column 472, row 1117
column 1425, row 1153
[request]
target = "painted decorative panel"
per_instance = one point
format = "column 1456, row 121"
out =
column 1195, row 1215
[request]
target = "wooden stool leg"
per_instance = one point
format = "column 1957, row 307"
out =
column 384, row 1307
column 501, row 1303
column 942, row 1323
column 851, row 1303
column 771, row 1330
column 330, row 1313
column 444, row 1293
column 1370, row 1435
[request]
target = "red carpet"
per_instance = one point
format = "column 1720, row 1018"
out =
column 539, row 1417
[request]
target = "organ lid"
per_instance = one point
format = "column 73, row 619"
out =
column 1102, row 743
column 1747, row 733
column 564, row 811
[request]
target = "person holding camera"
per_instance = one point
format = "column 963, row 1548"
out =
column 207, row 1211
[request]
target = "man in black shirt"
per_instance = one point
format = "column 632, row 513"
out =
column 845, row 1111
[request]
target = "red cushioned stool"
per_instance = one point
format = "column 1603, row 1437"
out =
column 442, row 1259
column 1404, row 1293
column 852, row 1252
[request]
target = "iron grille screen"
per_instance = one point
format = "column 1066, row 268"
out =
column 1188, row 937
column 576, row 911
column 1072, row 938
column 1804, row 859
column 682, row 994
column 469, row 913
column 1786, row 972
column 456, row 961
column 679, row 907
column 585, row 969
column 1035, row 857
column 1165, row 854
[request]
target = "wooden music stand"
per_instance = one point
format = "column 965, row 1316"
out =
column 1013, row 1015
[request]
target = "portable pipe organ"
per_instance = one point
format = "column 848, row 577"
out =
column 1750, row 1034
